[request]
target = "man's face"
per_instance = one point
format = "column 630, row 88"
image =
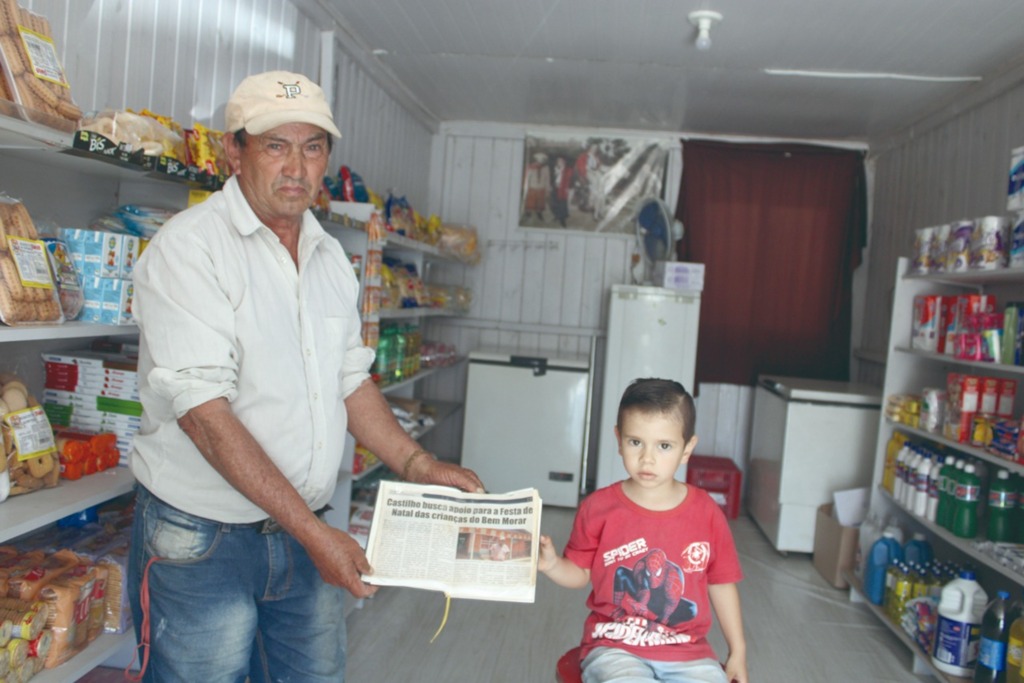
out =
column 280, row 171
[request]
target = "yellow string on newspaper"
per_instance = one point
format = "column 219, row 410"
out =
column 444, row 619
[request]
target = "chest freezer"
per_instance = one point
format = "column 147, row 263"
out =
column 810, row 438
column 526, row 421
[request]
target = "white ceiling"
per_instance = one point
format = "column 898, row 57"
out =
column 633, row 64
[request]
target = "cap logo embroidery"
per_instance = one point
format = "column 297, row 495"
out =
column 291, row 90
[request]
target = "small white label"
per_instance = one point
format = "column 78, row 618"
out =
column 32, row 262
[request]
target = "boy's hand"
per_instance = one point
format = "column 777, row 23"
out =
column 548, row 556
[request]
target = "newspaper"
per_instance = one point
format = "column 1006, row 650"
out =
column 468, row 545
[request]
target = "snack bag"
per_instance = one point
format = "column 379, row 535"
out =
column 28, row 294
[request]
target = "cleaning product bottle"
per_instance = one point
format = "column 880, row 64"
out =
column 882, row 553
column 965, row 512
column 892, row 449
column 934, row 477
column 870, row 531
column 1015, row 644
column 945, row 507
column 894, row 527
column 917, row 550
column 958, row 630
column 901, row 592
column 995, row 632
column 898, row 471
column 911, row 484
column 1002, row 501
column 919, row 499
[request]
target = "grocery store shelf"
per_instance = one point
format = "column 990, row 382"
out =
column 69, row 330
column 944, row 358
column 30, row 511
column 921, row 659
column 99, row 651
column 975, row 278
column 416, row 312
column 425, row 372
column 961, row 544
column 964, row 448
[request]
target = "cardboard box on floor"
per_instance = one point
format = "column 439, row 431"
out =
column 835, row 546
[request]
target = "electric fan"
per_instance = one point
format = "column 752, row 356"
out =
column 656, row 236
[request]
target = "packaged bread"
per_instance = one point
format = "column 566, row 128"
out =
column 26, row 582
column 70, row 604
column 28, row 294
column 34, row 77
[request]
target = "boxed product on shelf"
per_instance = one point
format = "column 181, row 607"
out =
column 95, row 391
column 1015, row 188
column 925, row 323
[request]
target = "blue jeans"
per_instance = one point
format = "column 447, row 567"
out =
column 612, row 665
column 227, row 601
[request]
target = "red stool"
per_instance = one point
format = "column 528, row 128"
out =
column 568, row 668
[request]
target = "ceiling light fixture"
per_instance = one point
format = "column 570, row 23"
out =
column 879, row 75
column 704, row 20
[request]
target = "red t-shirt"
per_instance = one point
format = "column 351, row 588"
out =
column 650, row 572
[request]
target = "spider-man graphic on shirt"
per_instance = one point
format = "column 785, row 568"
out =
column 653, row 589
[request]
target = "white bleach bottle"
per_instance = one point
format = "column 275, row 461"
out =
column 958, row 631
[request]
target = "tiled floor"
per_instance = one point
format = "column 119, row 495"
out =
column 799, row 629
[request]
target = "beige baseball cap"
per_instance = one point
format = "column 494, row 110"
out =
column 267, row 100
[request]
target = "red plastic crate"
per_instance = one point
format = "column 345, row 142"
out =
column 718, row 476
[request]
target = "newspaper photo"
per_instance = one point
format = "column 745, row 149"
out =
column 469, row 545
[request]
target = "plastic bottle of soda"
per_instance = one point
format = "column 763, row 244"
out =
column 910, row 489
column 995, row 633
column 1002, row 503
column 965, row 513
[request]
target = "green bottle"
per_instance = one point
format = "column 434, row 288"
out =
column 965, row 511
column 1002, row 504
column 946, row 482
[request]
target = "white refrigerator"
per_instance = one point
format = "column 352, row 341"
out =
column 810, row 438
column 652, row 332
column 526, row 422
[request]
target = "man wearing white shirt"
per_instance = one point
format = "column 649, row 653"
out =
column 251, row 370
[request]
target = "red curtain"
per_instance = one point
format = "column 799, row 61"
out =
column 780, row 230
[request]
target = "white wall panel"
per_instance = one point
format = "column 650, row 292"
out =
column 177, row 58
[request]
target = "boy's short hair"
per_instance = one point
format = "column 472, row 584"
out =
column 659, row 396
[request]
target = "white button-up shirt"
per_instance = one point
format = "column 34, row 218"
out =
column 223, row 312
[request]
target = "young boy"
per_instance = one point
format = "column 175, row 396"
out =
column 655, row 551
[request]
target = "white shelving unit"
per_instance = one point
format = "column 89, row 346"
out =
column 29, row 147
column 909, row 371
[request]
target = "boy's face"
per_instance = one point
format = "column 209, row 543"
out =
column 653, row 447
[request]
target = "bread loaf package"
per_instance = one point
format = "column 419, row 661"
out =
column 33, row 76
column 28, row 295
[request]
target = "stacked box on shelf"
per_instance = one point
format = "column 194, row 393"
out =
column 94, row 391
column 105, row 261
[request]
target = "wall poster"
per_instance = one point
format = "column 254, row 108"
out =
column 586, row 183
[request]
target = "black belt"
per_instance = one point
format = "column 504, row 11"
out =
column 271, row 525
